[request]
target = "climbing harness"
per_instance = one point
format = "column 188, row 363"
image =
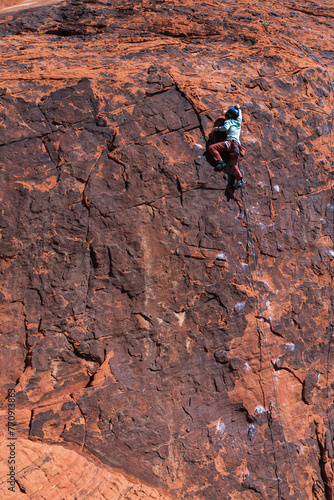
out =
column 262, row 330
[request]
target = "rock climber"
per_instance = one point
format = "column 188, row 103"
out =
column 232, row 126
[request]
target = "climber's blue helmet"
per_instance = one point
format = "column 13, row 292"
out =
column 232, row 113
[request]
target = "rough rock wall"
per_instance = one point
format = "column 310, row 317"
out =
column 139, row 305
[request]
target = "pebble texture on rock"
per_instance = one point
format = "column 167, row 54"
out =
column 139, row 303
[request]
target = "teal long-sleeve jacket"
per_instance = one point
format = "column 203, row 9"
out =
column 232, row 127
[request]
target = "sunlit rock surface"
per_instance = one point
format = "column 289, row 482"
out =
column 140, row 306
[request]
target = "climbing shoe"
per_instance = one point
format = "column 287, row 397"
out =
column 221, row 165
column 239, row 184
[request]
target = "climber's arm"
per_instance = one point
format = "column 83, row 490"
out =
column 223, row 128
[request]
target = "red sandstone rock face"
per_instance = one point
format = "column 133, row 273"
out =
column 139, row 306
